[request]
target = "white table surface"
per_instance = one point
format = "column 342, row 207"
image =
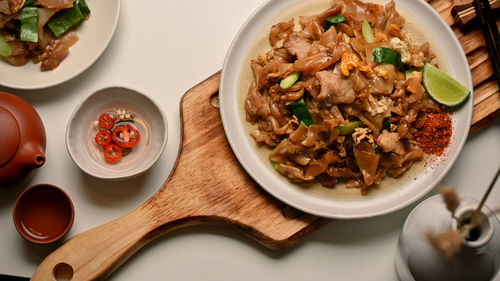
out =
column 191, row 45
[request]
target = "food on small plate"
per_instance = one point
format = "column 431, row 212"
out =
column 339, row 94
column 42, row 30
column 116, row 134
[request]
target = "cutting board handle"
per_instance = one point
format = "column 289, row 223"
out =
column 97, row 252
column 206, row 186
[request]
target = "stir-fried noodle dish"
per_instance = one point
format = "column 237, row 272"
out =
column 338, row 95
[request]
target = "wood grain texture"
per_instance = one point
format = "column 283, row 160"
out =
column 207, row 186
column 486, row 93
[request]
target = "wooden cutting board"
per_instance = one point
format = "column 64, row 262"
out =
column 219, row 191
column 486, row 92
column 207, row 186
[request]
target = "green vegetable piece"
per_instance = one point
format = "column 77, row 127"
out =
column 66, row 20
column 300, row 110
column 28, row 2
column 386, row 125
column 386, row 55
column 349, row 128
column 346, row 37
column 5, row 49
column 409, row 72
column 84, row 8
column 288, row 81
column 334, row 20
column 275, row 165
column 367, row 31
column 29, row 24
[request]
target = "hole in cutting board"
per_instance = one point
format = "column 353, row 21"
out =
column 63, row 272
column 214, row 100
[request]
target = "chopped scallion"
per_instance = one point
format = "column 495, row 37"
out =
column 288, row 81
column 334, row 20
column 346, row 37
column 275, row 165
column 349, row 128
column 29, row 24
column 367, row 31
column 299, row 109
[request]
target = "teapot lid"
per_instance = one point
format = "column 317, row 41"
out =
column 11, row 136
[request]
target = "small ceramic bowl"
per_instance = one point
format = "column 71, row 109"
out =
column 43, row 213
column 149, row 120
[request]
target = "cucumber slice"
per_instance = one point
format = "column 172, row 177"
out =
column 442, row 87
column 367, row 31
column 288, row 81
column 386, row 55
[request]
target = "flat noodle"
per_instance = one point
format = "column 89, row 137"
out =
column 340, row 83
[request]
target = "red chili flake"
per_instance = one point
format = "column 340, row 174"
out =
column 434, row 132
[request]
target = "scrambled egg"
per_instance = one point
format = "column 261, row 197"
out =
column 380, row 37
column 403, row 48
column 349, row 61
column 384, row 73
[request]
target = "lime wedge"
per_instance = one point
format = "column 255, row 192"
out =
column 442, row 87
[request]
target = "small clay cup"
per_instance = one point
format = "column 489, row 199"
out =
column 43, row 213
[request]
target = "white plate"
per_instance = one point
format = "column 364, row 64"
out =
column 149, row 119
column 95, row 35
column 405, row 190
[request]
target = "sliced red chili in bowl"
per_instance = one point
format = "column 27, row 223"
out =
column 126, row 136
column 103, row 138
column 112, row 153
column 106, row 121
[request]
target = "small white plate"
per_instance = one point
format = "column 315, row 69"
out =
column 95, row 35
column 149, row 119
column 405, row 190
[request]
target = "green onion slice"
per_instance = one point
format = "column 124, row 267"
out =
column 5, row 49
column 386, row 55
column 288, row 81
column 334, row 20
column 349, row 128
column 367, row 31
column 29, row 24
column 300, row 110
column 66, row 20
column 275, row 165
column 346, row 37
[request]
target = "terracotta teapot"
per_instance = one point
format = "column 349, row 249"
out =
column 22, row 140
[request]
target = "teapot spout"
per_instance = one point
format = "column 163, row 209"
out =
column 32, row 156
column 38, row 161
